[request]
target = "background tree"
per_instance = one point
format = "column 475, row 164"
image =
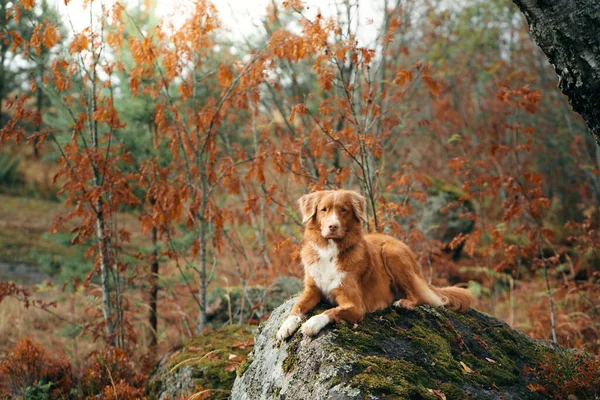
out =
column 19, row 70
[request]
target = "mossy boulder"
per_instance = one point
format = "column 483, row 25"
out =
column 206, row 363
column 425, row 353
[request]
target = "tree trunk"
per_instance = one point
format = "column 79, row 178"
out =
column 153, row 290
column 568, row 31
column 103, row 244
column 201, row 324
column 104, row 278
column 39, row 104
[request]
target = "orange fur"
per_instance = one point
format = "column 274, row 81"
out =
column 373, row 270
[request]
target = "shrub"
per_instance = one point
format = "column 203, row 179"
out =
column 113, row 375
column 28, row 371
column 575, row 376
column 121, row 391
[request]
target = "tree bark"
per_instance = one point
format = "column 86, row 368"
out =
column 103, row 248
column 201, row 324
column 154, row 289
column 568, row 31
column 104, row 278
column 39, row 104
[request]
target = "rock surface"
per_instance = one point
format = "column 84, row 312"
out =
column 425, row 353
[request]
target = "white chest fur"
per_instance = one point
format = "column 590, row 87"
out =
column 325, row 271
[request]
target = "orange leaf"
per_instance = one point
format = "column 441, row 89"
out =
column 434, row 86
column 403, row 77
column 225, row 76
column 79, row 43
column 299, row 109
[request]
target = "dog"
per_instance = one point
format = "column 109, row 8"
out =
column 356, row 273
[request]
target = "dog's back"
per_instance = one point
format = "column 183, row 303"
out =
column 407, row 283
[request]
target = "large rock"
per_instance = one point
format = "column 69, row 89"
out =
column 425, row 353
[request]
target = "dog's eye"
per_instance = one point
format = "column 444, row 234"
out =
column 344, row 210
column 323, row 209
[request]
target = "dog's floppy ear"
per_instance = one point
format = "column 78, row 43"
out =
column 308, row 205
column 359, row 206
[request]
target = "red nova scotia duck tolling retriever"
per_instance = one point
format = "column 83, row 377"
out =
column 355, row 272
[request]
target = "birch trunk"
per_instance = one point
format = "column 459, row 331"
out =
column 104, row 278
column 202, row 273
column 99, row 209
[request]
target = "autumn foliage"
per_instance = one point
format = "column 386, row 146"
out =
column 28, row 365
column 179, row 153
column 577, row 376
column 107, row 375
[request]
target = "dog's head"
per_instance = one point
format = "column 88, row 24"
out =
column 333, row 212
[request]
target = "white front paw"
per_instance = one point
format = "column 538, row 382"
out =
column 289, row 327
column 315, row 324
column 403, row 303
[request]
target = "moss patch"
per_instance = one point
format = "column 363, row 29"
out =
column 243, row 366
column 410, row 354
column 213, row 359
column 290, row 361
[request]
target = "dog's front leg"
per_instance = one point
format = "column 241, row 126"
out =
column 349, row 309
column 310, row 297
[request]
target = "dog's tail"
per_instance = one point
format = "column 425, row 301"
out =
column 454, row 298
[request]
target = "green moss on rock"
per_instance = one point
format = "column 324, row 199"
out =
column 410, row 353
column 206, row 362
column 290, row 360
column 243, row 366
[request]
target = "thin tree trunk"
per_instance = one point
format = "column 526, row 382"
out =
column 100, row 217
column 202, row 273
column 103, row 247
column 549, row 292
column 38, row 106
column 104, row 279
column 152, row 319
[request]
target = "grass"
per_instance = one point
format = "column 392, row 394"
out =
column 24, row 224
column 25, row 237
column 17, row 322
